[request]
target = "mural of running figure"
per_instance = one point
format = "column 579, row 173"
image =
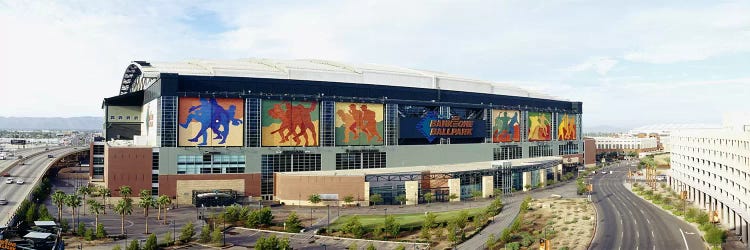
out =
column 359, row 123
column 211, row 115
column 296, row 122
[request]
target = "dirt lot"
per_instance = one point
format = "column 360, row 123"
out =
column 569, row 222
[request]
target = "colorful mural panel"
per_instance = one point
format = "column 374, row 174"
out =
column 210, row 121
column 290, row 123
column 506, row 126
column 566, row 130
column 540, row 126
column 359, row 124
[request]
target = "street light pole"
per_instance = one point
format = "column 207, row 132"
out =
column 174, row 232
column 329, row 216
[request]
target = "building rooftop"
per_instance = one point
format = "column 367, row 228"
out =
column 446, row 168
column 140, row 74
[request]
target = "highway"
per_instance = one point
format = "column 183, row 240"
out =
column 625, row 221
column 30, row 173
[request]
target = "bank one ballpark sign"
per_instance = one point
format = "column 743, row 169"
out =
column 432, row 126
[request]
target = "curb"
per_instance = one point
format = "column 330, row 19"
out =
column 596, row 224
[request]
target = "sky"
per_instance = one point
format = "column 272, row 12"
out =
column 631, row 63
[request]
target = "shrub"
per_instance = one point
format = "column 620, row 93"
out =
column 513, row 246
column 100, row 232
column 89, row 234
column 216, row 236
column 168, row 238
column 205, row 235
column 293, row 223
column 187, row 232
column 81, row 229
column 150, row 243
column 133, row 245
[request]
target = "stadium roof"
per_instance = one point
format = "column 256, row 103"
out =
column 140, row 74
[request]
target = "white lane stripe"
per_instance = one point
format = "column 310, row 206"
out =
column 649, row 222
column 652, row 234
column 684, row 239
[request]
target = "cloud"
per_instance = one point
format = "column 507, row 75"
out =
column 601, row 65
column 669, row 34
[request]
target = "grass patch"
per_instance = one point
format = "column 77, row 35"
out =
column 406, row 220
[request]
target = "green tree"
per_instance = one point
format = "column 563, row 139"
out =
column 428, row 197
column 126, row 191
column 58, row 198
column 88, row 234
column 31, row 214
column 272, row 243
column 83, row 191
column 168, row 238
column 133, row 245
column 314, row 199
column 151, row 243
column 73, row 202
column 265, row 216
column 452, row 232
column 376, row 198
column 147, row 201
column 353, row 246
column 476, row 194
column 430, row 220
column 163, row 202
column 354, row 227
column 452, row 197
column 348, row 199
column 371, row 247
column 124, row 207
column 205, row 235
column 391, row 226
column 96, row 208
column 104, row 192
column 293, row 223
column 43, row 213
column 424, row 233
column 401, row 199
column 81, row 229
column 490, row 243
column 715, row 236
column 187, row 232
column 100, row 232
column 216, row 236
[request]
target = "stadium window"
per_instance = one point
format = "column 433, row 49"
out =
column 127, row 117
column 112, row 117
column 119, row 117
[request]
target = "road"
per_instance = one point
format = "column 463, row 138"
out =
column 30, row 172
column 625, row 221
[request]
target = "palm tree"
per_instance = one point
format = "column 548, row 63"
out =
column 96, row 208
column 73, row 201
column 83, row 191
column 163, row 201
column 105, row 192
column 58, row 198
column 124, row 207
column 126, row 191
column 147, row 201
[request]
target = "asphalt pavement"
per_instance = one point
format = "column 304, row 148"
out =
column 626, row 221
column 29, row 173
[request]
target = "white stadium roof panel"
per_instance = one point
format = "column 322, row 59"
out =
column 322, row 70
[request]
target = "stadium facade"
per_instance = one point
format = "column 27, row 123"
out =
column 284, row 129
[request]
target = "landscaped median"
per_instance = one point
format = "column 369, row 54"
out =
column 563, row 223
column 670, row 201
column 439, row 229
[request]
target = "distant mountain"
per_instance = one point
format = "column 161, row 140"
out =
column 38, row 123
column 603, row 129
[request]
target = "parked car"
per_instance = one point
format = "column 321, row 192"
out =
column 6, row 174
column 3, row 201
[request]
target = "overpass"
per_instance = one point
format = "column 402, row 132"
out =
column 31, row 169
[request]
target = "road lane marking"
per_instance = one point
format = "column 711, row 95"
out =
column 649, row 222
column 684, row 239
column 652, row 234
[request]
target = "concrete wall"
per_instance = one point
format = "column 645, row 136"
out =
column 295, row 189
column 170, row 184
column 129, row 166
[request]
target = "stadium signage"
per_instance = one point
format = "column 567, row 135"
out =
column 432, row 127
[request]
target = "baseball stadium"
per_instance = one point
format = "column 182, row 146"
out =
column 214, row 132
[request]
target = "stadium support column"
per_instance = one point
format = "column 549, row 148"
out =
column 487, row 186
column 543, row 177
column 366, row 199
column 559, row 169
column 412, row 192
column 454, row 187
column 526, row 181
